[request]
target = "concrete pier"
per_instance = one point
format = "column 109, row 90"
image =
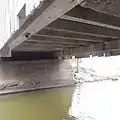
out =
column 29, row 75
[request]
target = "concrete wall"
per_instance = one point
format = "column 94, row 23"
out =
column 32, row 74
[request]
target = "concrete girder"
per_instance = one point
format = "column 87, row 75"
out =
column 73, row 35
column 85, row 29
column 34, row 41
column 67, row 38
column 90, row 16
column 110, row 48
column 63, row 45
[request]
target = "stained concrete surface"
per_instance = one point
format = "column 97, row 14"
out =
column 31, row 75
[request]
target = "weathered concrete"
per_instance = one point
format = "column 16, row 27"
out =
column 67, row 26
column 106, row 6
column 44, row 14
column 30, row 75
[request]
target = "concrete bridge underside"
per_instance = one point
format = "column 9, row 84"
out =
column 66, row 28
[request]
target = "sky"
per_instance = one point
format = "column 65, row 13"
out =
column 106, row 66
column 8, row 20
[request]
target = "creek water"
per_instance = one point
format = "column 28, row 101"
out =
column 89, row 101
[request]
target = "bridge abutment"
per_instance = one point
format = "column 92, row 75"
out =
column 29, row 75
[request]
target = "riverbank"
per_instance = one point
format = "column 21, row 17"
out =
column 20, row 90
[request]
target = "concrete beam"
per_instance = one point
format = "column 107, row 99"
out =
column 62, row 39
column 52, row 44
column 66, row 17
column 85, row 29
column 72, row 34
column 90, row 16
column 110, row 48
column 41, row 47
column 81, row 52
column 75, row 34
column 66, row 38
column 55, row 42
column 25, row 48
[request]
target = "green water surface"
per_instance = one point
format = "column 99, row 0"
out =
column 52, row 104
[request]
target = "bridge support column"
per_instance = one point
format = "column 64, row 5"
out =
column 29, row 75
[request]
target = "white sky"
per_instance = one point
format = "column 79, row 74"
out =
column 107, row 66
column 8, row 20
column 98, row 100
